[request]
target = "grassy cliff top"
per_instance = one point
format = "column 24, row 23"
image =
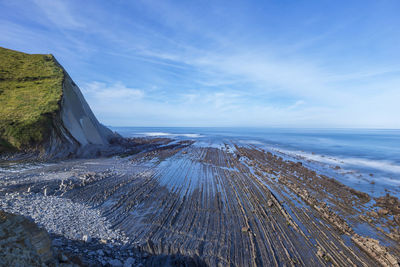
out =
column 30, row 92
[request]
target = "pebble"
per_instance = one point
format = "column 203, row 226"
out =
column 63, row 258
column 383, row 212
column 129, row 262
column 86, row 238
column 61, row 216
column 115, row 263
column 57, row 243
column 100, row 252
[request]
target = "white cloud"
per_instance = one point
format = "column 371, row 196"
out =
column 59, row 13
column 297, row 104
column 115, row 92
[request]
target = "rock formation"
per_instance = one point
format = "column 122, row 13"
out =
column 42, row 111
column 22, row 243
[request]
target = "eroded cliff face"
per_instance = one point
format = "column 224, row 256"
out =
column 76, row 130
column 79, row 119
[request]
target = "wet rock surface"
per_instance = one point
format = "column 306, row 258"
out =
column 178, row 204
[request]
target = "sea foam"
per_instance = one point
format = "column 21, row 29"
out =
column 382, row 165
column 189, row 135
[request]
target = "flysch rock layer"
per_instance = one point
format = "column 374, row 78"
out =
column 76, row 130
column 230, row 205
column 79, row 119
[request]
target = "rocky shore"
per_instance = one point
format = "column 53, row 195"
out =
column 165, row 202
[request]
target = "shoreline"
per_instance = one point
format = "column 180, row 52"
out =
column 234, row 204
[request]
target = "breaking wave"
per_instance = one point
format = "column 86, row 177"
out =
column 154, row 134
column 382, row 165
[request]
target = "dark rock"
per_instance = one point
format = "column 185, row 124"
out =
column 22, row 242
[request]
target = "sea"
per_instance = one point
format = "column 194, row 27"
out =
column 365, row 159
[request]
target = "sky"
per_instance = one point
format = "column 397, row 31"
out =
column 271, row 63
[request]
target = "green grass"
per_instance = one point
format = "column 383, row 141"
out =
column 30, row 93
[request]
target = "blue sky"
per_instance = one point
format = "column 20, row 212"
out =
column 275, row 63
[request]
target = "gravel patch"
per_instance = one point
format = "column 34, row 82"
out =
column 61, row 216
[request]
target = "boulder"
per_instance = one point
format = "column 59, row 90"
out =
column 23, row 243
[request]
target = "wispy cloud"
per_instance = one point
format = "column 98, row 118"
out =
column 117, row 91
column 59, row 13
column 246, row 63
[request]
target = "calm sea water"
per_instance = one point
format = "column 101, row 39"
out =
column 368, row 159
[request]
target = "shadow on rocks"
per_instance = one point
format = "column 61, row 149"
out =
column 95, row 252
column 175, row 260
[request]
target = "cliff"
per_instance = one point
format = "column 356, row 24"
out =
column 43, row 111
